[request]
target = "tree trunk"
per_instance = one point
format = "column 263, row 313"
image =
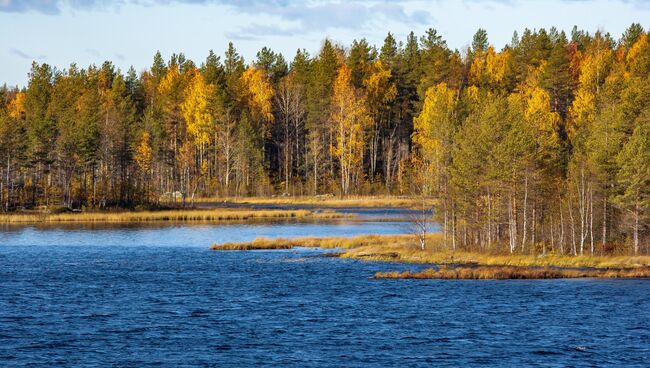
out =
column 532, row 231
column 591, row 219
column 636, row 225
column 573, row 230
column 561, row 228
column 489, row 227
column 523, row 236
column 604, row 239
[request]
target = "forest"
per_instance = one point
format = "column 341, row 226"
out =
column 542, row 146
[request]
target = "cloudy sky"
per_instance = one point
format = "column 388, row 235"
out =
column 128, row 32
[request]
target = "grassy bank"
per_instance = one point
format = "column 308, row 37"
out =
column 325, row 201
column 510, row 272
column 410, row 254
column 311, row 242
column 403, row 248
column 215, row 215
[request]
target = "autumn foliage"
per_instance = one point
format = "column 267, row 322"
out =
column 541, row 146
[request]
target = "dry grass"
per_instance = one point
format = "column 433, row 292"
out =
column 510, row 272
column 216, row 215
column 328, row 242
column 350, row 201
column 412, row 254
column 406, row 251
column 403, row 248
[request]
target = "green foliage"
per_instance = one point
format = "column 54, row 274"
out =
column 542, row 145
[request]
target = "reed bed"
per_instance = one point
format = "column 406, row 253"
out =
column 212, row 215
column 510, row 272
column 310, row 242
column 411, row 254
column 403, row 248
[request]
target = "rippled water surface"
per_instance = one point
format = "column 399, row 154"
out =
column 145, row 296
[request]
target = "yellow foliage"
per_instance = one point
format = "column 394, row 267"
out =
column 497, row 66
column 490, row 68
column 380, row 88
column 170, row 91
column 637, row 57
column 349, row 121
column 17, row 106
column 477, row 70
column 473, row 94
column 539, row 103
column 582, row 111
column 169, row 82
column 258, row 93
column 144, row 153
column 639, row 47
column 594, row 69
column 433, row 135
column 539, row 115
column 196, row 111
column 432, row 128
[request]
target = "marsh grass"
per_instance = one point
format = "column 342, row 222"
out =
column 511, row 272
column 207, row 215
column 405, row 249
column 410, row 254
column 310, row 242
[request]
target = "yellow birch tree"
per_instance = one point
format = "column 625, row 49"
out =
column 349, row 119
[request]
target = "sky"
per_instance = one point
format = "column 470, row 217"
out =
column 129, row 32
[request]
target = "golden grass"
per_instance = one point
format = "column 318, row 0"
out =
column 350, row 201
column 311, row 242
column 215, row 215
column 403, row 248
column 413, row 255
column 510, row 272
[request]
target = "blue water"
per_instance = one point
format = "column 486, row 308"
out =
column 184, row 235
column 156, row 296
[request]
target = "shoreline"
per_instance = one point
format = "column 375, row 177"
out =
column 178, row 215
column 515, row 273
column 223, row 210
column 403, row 249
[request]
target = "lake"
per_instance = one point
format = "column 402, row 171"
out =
column 155, row 295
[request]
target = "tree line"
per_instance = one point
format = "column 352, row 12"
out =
column 541, row 146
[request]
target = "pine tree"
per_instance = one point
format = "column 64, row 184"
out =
column 634, row 178
column 433, row 135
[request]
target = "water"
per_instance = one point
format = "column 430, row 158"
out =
column 156, row 296
column 184, row 235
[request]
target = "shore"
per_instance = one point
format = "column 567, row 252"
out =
column 403, row 249
column 178, row 215
column 515, row 272
column 220, row 210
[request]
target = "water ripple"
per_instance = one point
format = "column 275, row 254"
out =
column 80, row 304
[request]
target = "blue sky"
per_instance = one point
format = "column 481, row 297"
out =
column 128, row 32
